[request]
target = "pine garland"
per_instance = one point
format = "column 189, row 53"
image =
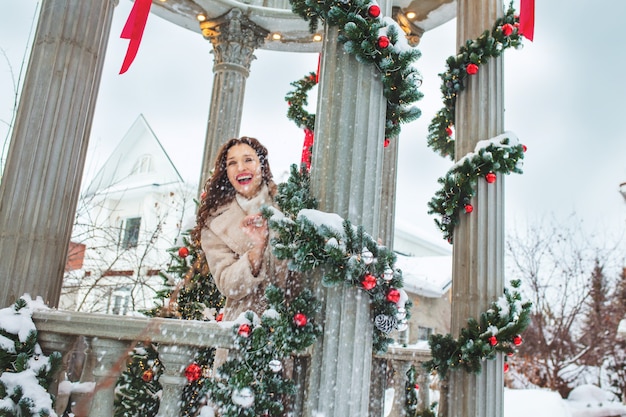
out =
column 501, row 154
column 312, row 239
column 253, row 382
column 497, row 330
column 504, row 34
column 375, row 40
column 297, row 99
column 25, row 372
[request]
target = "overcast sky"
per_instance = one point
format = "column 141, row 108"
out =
column 564, row 96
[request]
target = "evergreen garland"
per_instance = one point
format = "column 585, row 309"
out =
column 347, row 255
column 297, row 99
column 497, row 330
column 25, row 372
column 375, row 40
column 501, row 154
column 253, row 382
column 504, row 34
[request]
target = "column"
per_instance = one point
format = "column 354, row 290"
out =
column 110, row 361
column 234, row 38
column 175, row 359
column 478, row 252
column 41, row 180
column 386, row 235
column 346, row 178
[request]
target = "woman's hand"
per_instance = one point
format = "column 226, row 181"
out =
column 255, row 227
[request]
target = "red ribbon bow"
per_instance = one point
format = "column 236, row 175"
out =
column 527, row 19
column 133, row 30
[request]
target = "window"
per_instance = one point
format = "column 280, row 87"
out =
column 423, row 333
column 131, row 232
column 120, row 301
column 142, row 164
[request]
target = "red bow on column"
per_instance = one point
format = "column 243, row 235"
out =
column 133, row 30
column 527, row 19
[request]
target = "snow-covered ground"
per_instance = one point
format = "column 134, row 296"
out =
column 583, row 401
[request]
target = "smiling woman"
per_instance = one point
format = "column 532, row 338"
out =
column 234, row 235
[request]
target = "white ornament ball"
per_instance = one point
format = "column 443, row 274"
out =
column 402, row 326
column 388, row 274
column 367, row 256
column 243, row 397
column 275, row 366
column 401, row 314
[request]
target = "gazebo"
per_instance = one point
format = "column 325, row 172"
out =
column 47, row 155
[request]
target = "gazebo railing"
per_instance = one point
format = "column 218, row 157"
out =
column 109, row 339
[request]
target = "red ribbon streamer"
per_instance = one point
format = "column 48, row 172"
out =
column 319, row 63
column 306, row 148
column 133, row 30
column 527, row 19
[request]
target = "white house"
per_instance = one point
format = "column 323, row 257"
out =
column 133, row 210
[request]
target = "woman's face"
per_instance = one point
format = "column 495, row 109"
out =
column 244, row 170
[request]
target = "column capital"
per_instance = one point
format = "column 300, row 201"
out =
column 234, row 37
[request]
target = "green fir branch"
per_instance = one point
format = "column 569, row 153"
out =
column 360, row 32
column 502, row 154
column 496, row 330
column 473, row 54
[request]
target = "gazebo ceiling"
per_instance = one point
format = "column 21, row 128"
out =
column 289, row 32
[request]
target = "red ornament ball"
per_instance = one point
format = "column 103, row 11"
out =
column 472, row 69
column 507, row 29
column 386, row 142
column 416, row 386
column 219, row 317
column 449, row 131
column 393, row 295
column 193, row 372
column 244, row 330
column 369, row 281
column 493, row 340
column 490, row 178
column 524, row 148
column 506, row 367
column 469, row 208
column 383, row 42
column 183, row 252
column 517, row 340
column 147, row 375
column 300, row 319
column 374, row 10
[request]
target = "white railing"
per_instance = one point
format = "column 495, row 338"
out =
column 108, row 340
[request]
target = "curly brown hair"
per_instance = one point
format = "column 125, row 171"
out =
column 218, row 191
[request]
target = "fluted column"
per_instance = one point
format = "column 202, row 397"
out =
column 234, row 38
column 41, row 180
column 346, row 177
column 478, row 252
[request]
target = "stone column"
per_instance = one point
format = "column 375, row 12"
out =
column 110, row 358
column 478, row 252
column 346, row 178
column 234, row 38
column 175, row 359
column 44, row 168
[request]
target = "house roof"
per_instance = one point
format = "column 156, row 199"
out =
column 137, row 161
column 428, row 276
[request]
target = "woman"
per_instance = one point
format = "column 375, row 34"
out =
column 233, row 234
